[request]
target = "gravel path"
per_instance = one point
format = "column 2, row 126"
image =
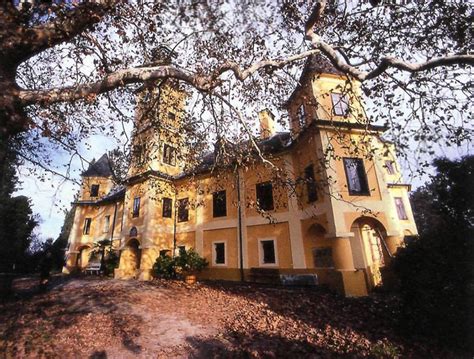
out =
column 105, row 318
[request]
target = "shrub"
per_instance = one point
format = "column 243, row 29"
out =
column 164, row 267
column 190, row 261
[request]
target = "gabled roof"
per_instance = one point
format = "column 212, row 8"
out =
column 100, row 168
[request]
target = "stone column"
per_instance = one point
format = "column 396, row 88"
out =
column 342, row 254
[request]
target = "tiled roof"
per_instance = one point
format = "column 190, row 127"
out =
column 100, row 168
column 320, row 64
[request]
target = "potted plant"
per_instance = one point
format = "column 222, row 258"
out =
column 189, row 263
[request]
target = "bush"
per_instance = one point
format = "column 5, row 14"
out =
column 190, row 262
column 164, row 267
column 435, row 271
column 186, row 262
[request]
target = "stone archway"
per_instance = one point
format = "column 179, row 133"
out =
column 82, row 259
column 369, row 248
column 130, row 259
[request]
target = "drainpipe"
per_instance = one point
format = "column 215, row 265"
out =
column 174, row 223
column 239, row 222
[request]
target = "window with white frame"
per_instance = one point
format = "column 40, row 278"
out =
column 402, row 214
column 169, row 155
column 219, row 253
column 340, row 104
column 267, row 252
column 356, row 177
column 106, row 224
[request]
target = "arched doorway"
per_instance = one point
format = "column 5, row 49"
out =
column 369, row 248
column 130, row 259
column 82, row 258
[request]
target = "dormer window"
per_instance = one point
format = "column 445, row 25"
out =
column 95, row 190
column 169, row 155
column 340, row 104
column 301, row 117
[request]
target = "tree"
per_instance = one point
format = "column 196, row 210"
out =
column 436, row 270
column 58, row 63
column 17, row 221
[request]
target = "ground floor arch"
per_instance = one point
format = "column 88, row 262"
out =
column 369, row 248
column 130, row 259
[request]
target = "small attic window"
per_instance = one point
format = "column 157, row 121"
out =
column 301, row 116
column 95, row 190
column 340, row 104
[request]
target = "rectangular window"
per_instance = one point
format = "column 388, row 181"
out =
column 169, row 155
column 301, row 117
column 402, row 214
column 95, row 190
column 87, row 226
column 265, row 196
column 311, row 186
column 268, row 251
column 219, row 253
column 322, row 257
column 219, row 205
column 136, row 207
column 340, row 104
column 390, row 167
column 356, row 177
column 183, row 210
column 106, row 224
column 181, row 249
column 167, row 207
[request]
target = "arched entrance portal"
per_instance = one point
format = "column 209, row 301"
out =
column 130, row 259
column 369, row 248
column 82, row 258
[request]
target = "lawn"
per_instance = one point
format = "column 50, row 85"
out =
column 103, row 318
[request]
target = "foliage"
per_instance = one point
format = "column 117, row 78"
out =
column 190, row 261
column 437, row 283
column 17, row 221
column 111, row 262
column 187, row 262
column 56, row 84
column 164, row 267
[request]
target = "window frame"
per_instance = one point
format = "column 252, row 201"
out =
column 338, row 104
column 214, row 253
column 222, row 210
column 106, row 228
column 86, row 230
column 181, row 219
column 261, row 185
column 261, row 254
column 170, row 201
column 301, row 116
column 95, row 190
column 390, row 167
column 326, row 248
column 363, row 181
column 401, row 209
column 169, row 155
column 311, row 184
column 136, row 208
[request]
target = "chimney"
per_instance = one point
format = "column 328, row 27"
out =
column 267, row 123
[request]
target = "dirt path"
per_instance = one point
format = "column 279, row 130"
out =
column 103, row 318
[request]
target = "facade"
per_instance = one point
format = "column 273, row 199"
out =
column 337, row 206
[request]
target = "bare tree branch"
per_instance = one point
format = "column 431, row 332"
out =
column 340, row 63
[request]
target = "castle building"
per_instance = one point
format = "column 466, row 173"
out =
column 332, row 204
